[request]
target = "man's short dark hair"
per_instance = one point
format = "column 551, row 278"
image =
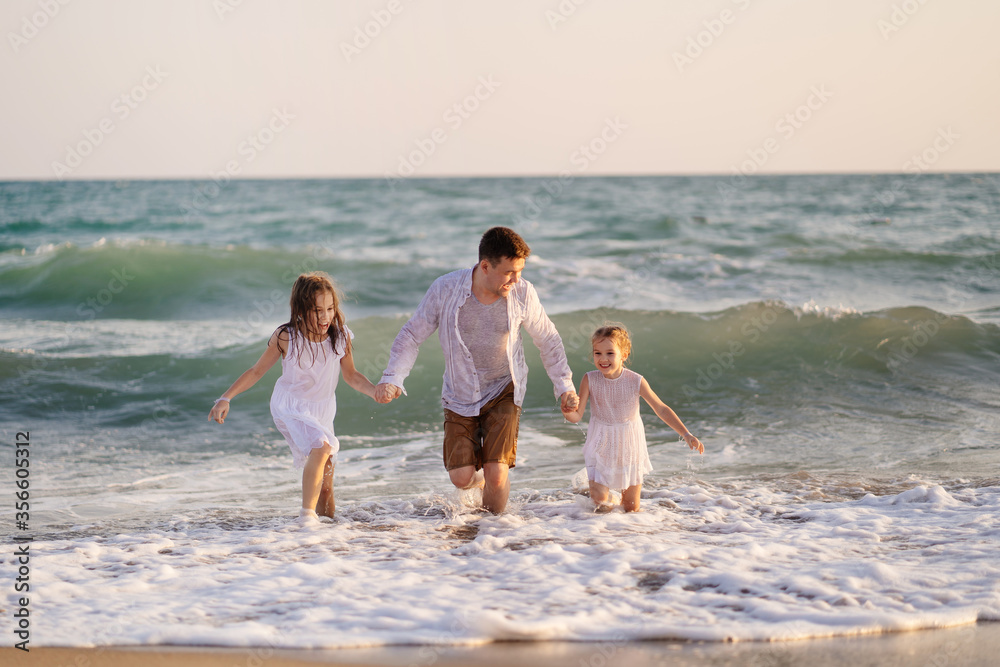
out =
column 499, row 243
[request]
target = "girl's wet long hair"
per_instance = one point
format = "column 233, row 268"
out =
column 303, row 300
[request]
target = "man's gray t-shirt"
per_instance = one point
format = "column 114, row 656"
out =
column 484, row 330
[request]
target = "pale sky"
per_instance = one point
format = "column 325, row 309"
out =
column 260, row 88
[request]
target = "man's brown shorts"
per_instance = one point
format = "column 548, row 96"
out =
column 490, row 437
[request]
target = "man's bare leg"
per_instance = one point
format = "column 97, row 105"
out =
column 497, row 488
column 493, row 480
column 465, row 477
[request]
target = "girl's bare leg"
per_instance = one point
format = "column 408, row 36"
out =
column 312, row 476
column 630, row 498
column 325, row 505
column 599, row 494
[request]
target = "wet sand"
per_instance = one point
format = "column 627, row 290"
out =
column 970, row 645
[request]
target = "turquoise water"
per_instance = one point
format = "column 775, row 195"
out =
column 826, row 337
column 798, row 300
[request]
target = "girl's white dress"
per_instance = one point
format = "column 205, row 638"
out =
column 615, row 450
column 303, row 403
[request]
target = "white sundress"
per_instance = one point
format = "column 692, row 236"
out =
column 615, row 450
column 304, row 402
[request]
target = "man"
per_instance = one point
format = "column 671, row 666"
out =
column 480, row 312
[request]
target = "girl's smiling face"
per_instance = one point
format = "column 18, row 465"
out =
column 608, row 358
column 320, row 316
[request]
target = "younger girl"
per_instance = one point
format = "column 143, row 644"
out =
column 615, row 450
column 314, row 347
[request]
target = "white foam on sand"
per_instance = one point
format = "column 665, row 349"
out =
column 738, row 560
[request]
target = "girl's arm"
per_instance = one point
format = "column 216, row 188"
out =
column 358, row 380
column 669, row 417
column 275, row 350
column 576, row 414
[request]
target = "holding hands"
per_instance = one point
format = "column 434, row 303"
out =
column 569, row 401
column 386, row 392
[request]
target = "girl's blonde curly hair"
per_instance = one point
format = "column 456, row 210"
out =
column 617, row 334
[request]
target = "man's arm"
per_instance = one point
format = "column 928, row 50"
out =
column 545, row 337
column 403, row 354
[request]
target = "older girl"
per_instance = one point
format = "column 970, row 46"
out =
column 315, row 349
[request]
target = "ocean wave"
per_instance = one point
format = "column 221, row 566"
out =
column 153, row 279
column 763, row 353
column 874, row 258
column 754, row 330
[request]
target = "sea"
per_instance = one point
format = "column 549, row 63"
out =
column 834, row 340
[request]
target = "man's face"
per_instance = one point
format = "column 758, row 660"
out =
column 500, row 279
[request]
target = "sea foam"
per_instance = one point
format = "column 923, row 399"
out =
column 737, row 560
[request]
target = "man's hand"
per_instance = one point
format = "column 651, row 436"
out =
column 385, row 392
column 569, row 401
